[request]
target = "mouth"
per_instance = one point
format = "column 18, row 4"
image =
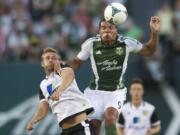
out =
column 106, row 36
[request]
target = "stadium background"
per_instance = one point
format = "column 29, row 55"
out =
column 27, row 26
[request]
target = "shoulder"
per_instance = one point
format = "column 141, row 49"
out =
column 149, row 106
column 132, row 44
column 42, row 84
column 65, row 66
column 128, row 40
column 89, row 42
column 126, row 106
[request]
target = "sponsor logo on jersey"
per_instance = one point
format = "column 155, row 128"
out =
column 119, row 50
column 145, row 113
column 136, row 120
column 98, row 52
column 109, row 65
column 51, row 88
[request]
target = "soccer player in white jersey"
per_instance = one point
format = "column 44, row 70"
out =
column 60, row 92
column 109, row 53
column 138, row 117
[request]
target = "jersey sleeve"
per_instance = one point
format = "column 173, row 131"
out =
column 85, row 52
column 133, row 45
column 154, row 119
column 121, row 120
column 65, row 66
column 41, row 96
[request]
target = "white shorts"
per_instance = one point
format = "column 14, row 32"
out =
column 101, row 100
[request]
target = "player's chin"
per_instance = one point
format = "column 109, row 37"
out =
column 107, row 38
column 50, row 68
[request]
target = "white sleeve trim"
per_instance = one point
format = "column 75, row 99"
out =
column 66, row 68
column 42, row 100
column 133, row 45
column 86, row 47
column 119, row 125
column 156, row 123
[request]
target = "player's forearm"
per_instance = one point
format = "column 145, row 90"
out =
column 39, row 115
column 156, row 129
column 151, row 45
column 74, row 63
column 67, row 78
column 120, row 131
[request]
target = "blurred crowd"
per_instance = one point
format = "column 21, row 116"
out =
column 28, row 26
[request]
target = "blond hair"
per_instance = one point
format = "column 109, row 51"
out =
column 51, row 50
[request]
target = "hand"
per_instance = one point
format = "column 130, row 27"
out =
column 57, row 66
column 56, row 95
column 155, row 24
column 29, row 126
column 149, row 131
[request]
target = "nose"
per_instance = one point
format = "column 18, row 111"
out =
column 50, row 59
column 107, row 29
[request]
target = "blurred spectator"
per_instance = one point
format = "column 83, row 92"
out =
column 129, row 28
column 38, row 8
column 174, row 57
column 165, row 14
column 17, row 43
column 176, row 35
column 2, row 42
column 35, row 47
column 74, row 30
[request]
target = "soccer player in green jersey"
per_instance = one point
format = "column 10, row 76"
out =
column 108, row 52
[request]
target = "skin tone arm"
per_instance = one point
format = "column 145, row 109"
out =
column 150, row 47
column 67, row 78
column 39, row 115
column 75, row 63
column 154, row 130
column 120, row 131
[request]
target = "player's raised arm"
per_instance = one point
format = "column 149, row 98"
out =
column 75, row 63
column 39, row 115
column 83, row 55
column 150, row 47
column 67, row 76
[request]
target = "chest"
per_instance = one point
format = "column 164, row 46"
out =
column 140, row 116
column 51, row 84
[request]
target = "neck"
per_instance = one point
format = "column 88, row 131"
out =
column 48, row 72
column 109, row 42
column 137, row 102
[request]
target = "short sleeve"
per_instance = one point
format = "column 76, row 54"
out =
column 41, row 96
column 154, row 119
column 121, row 120
column 64, row 65
column 133, row 45
column 86, row 47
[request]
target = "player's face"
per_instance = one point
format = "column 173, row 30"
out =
column 48, row 61
column 136, row 91
column 108, row 32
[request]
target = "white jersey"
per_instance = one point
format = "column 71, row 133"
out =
column 71, row 102
column 136, row 121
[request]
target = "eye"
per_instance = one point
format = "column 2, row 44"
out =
column 47, row 57
column 111, row 27
column 103, row 27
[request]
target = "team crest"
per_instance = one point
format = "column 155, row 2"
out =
column 145, row 113
column 51, row 88
column 119, row 50
column 98, row 52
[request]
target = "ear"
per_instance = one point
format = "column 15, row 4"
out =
column 42, row 64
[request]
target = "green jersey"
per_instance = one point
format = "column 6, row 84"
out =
column 109, row 62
